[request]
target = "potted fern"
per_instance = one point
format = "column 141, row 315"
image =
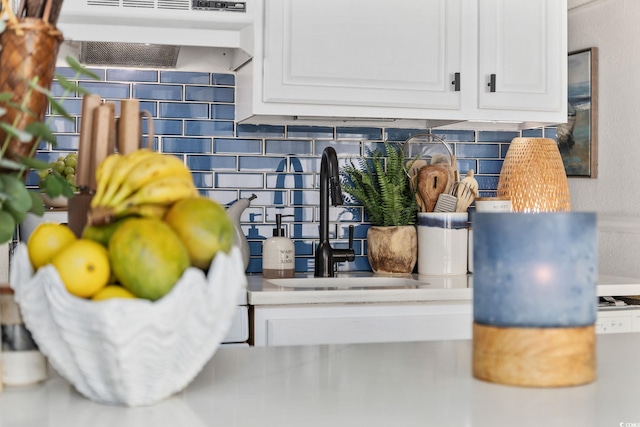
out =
column 380, row 184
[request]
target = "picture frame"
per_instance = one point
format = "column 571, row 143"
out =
column 578, row 138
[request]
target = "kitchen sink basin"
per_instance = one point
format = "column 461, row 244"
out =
column 344, row 282
column 357, row 288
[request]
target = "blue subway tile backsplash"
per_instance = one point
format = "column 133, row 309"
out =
column 194, row 115
column 185, row 77
column 184, row 110
column 132, row 75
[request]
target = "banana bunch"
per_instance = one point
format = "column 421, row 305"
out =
column 142, row 183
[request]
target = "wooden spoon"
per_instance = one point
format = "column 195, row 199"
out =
column 432, row 181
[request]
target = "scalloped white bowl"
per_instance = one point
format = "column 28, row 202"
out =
column 130, row 351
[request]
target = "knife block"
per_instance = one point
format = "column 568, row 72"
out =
column 79, row 206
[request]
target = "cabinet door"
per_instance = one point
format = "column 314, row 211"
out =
column 522, row 44
column 361, row 323
column 403, row 53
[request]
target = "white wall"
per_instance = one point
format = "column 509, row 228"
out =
column 612, row 27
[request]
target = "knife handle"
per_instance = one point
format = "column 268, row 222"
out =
column 103, row 127
column 83, row 169
column 129, row 126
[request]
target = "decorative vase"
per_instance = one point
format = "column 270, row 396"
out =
column 533, row 177
column 29, row 49
column 392, row 250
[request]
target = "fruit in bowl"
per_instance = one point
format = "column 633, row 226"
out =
column 55, row 202
column 130, row 345
column 66, row 167
column 124, row 313
column 124, row 350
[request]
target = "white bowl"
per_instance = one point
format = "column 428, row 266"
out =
column 55, row 202
column 130, row 351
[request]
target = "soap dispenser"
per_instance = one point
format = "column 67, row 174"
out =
column 278, row 254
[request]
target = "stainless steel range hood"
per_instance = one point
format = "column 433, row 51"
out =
column 123, row 24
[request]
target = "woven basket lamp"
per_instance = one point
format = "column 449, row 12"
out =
column 533, row 177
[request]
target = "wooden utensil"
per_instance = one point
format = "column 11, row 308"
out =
column 99, row 145
column 103, row 136
column 34, row 8
column 54, row 12
column 414, row 166
column 466, row 191
column 432, row 181
column 83, row 169
column 130, row 127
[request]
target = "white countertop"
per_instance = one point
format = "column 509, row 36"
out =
column 415, row 288
column 393, row 384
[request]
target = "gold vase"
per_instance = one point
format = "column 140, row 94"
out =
column 533, row 177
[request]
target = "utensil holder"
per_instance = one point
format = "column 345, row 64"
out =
column 442, row 243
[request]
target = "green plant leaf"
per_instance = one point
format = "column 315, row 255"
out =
column 19, row 197
column 51, row 185
column 5, row 96
column 7, row 226
column 37, row 205
column 42, row 131
column 78, row 68
column 34, row 163
column 11, row 165
column 71, row 86
column 21, row 135
column 66, row 83
column 17, row 214
column 59, row 109
column 381, row 185
column 33, row 84
column 21, row 108
column 54, row 185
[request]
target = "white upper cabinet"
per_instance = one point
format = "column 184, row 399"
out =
column 522, row 55
column 361, row 53
column 406, row 62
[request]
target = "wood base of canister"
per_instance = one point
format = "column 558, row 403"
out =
column 534, row 357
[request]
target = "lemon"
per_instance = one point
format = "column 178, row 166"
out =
column 46, row 241
column 112, row 291
column 83, row 267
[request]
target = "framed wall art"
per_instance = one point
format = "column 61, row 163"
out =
column 578, row 138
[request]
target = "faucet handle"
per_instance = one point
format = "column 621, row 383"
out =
column 341, row 255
